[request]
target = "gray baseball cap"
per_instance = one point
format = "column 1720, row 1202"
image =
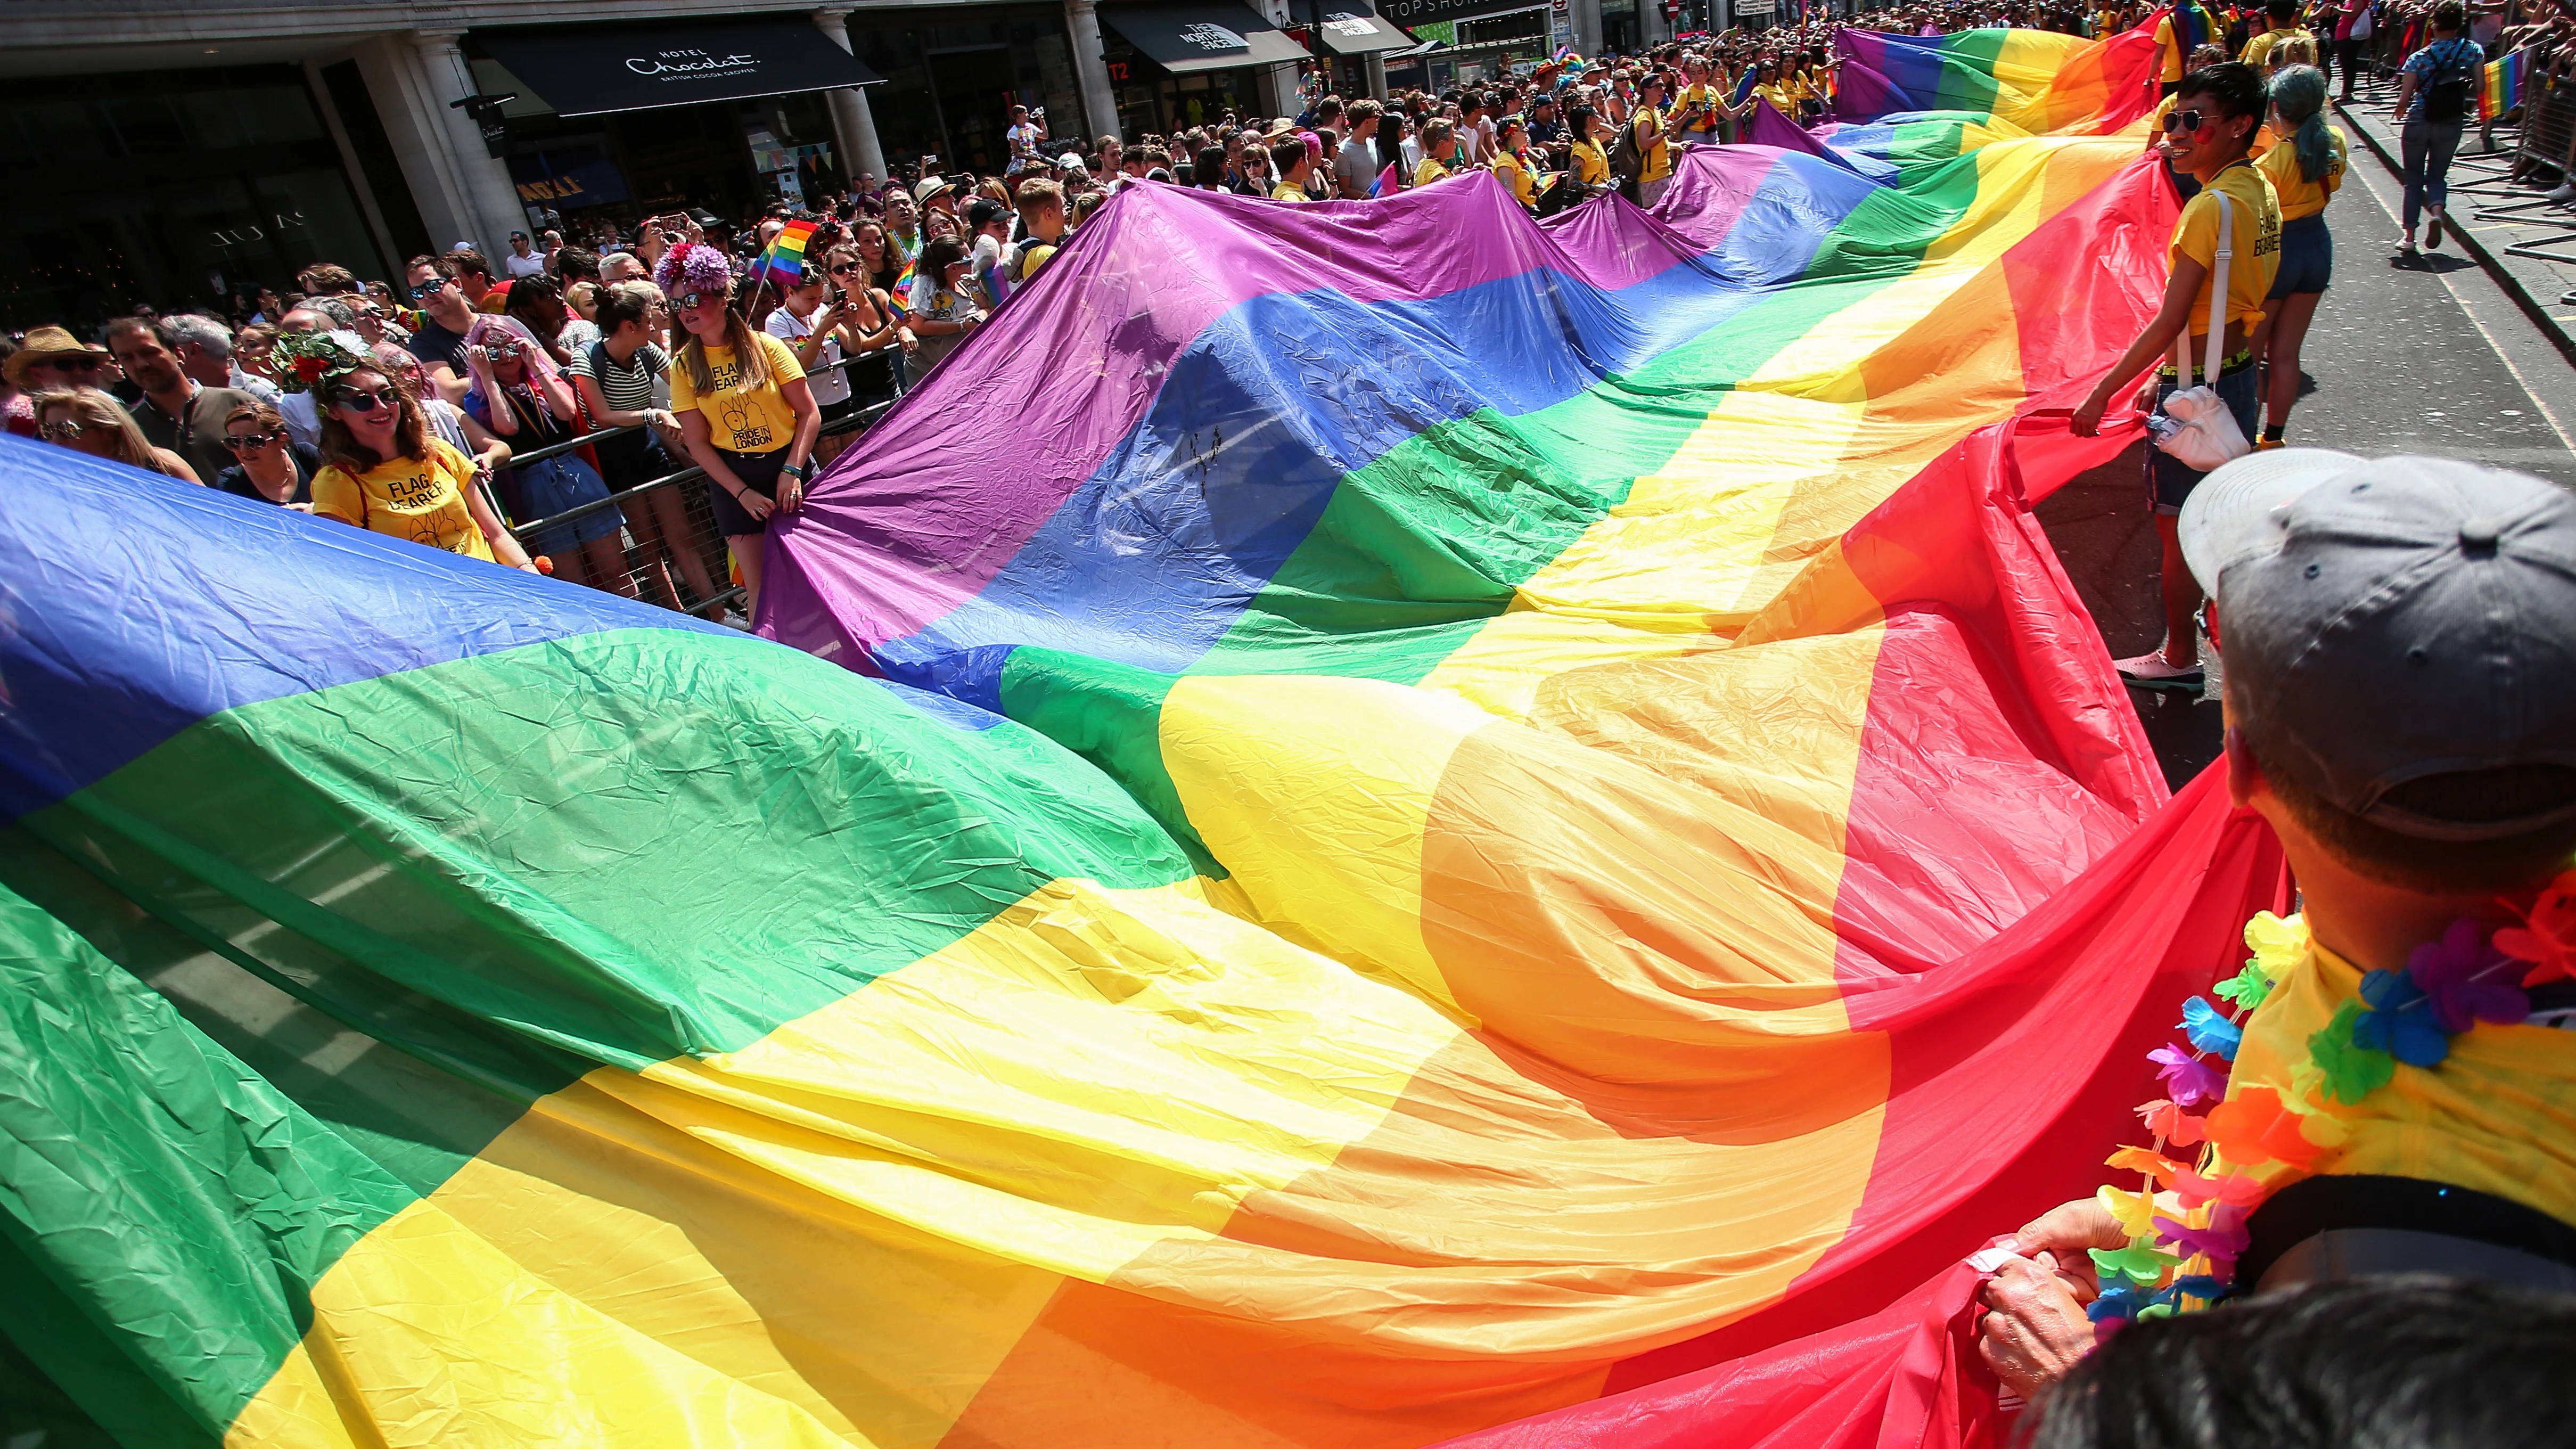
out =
column 2386, row 620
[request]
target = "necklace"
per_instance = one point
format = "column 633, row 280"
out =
column 2181, row 1261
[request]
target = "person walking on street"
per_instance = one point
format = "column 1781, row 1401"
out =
column 2217, row 111
column 2304, row 170
column 2435, row 100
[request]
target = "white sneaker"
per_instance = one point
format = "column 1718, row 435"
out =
column 2566, row 192
column 733, row 620
column 2151, row 668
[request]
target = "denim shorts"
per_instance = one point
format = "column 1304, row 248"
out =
column 2167, row 478
column 2307, row 257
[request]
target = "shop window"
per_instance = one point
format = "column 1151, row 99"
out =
column 129, row 192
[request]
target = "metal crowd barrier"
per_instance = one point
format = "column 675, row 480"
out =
column 658, row 566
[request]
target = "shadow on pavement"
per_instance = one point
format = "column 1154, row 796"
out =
column 2104, row 530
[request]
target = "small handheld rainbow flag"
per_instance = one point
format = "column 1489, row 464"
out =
column 783, row 265
column 1388, row 182
column 2503, row 90
column 899, row 300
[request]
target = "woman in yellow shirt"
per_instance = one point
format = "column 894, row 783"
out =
column 1654, row 153
column 1511, row 162
column 1591, row 164
column 1439, row 152
column 745, row 411
column 385, row 470
column 2304, row 170
column 1768, row 86
column 2212, row 124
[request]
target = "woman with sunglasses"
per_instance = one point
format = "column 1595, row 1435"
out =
column 384, row 471
column 517, row 393
column 814, row 325
column 746, row 414
column 87, row 420
column 2217, row 111
column 2157, row 129
column 450, row 423
column 267, row 464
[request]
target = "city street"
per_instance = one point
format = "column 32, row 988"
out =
column 2431, row 357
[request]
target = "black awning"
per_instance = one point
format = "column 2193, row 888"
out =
column 1186, row 38
column 1348, row 30
column 591, row 72
column 1419, row 12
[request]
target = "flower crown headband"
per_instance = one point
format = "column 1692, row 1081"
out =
column 312, row 358
column 691, row 267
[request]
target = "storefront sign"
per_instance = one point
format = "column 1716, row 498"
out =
column 1412, row 13
column 1213, row 39
column 567, row 177
column 592, row 71
column 1754, row 7
column 692, row 64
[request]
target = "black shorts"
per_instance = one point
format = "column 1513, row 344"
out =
column 834, row 412
column 757, row 472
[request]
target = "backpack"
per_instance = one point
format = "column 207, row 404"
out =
column 2447, row 97
column 1627, row 162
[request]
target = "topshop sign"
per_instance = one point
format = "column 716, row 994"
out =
column 1417, row 12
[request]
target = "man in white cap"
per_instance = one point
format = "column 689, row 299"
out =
column 2400, row 643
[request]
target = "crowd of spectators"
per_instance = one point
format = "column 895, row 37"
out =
column 568, row 333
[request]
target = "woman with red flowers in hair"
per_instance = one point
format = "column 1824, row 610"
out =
column 745, row 412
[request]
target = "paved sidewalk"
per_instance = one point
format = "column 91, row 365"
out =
column 2505, row 223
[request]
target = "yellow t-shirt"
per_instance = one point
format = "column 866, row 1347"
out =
column 2299, row 196
column 1515, row 177
column 1591, row 164
column 419, row 499
column 756, row 421
column 2172, row 48
column 1429, row 171
column 1653, row 150
column 2498, row 1115
column 2257, row 257
column 1288, row 191
column 2261, row 45
column 1777, row 93
column 1698, row 110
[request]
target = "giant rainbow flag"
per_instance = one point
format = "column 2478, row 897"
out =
column 1381, row 820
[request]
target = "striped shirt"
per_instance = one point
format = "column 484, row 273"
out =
column 628, row 388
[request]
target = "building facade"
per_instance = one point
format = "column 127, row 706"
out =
column 181, row 152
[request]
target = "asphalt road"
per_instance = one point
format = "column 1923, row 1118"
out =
column 2425, row 358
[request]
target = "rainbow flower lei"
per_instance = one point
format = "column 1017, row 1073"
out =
column 2183, row 1258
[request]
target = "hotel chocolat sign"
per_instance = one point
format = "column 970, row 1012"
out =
column 597, row 70
column 692, row 64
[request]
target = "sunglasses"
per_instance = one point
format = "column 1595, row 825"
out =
column 502, row 351
column 846, row 268
column 367, row 402
column 2182, row 122
column 239, row 441
column 71, row 364
column 61, row 432
column 428, row 289
column 692, row 299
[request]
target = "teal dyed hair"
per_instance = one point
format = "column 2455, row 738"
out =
column 2299, row 95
